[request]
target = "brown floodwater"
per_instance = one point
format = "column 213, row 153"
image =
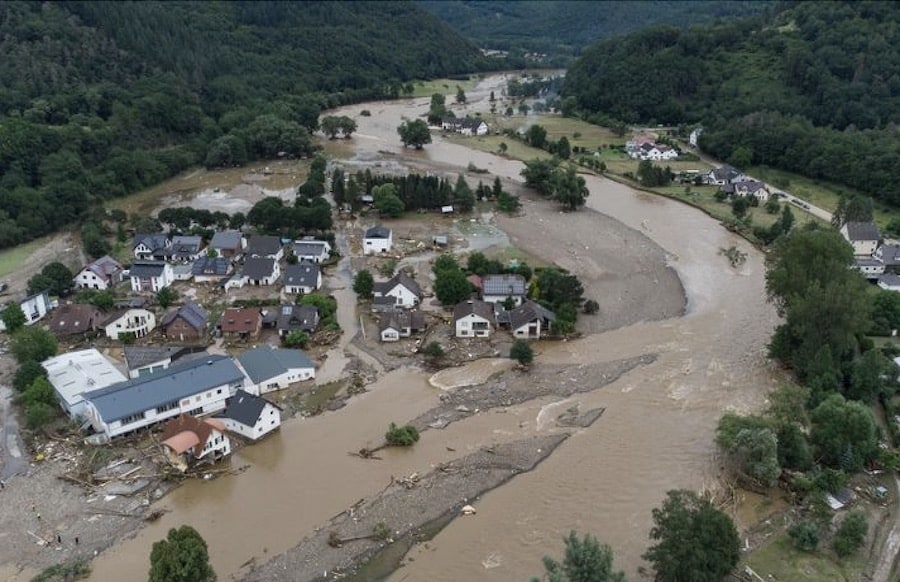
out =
column 656, row 433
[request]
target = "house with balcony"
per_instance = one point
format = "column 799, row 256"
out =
column 129, row 323
column 101, row 274
column 473, row 318
column 150, row 276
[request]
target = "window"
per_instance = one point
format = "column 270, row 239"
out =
column 219, row 391
column 132, row 418
column 167, row 406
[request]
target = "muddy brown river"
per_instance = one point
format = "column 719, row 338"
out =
column 656, row 434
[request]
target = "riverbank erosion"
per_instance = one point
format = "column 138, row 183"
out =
column 405, row 505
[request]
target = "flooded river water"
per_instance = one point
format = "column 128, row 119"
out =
column 656, row 434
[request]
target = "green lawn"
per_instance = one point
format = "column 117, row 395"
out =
column 14, row 258
column 445, row 87
column 780, row 560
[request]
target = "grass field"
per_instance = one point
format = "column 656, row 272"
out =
column 780, row 560
column 12, row 259
column 445, row 87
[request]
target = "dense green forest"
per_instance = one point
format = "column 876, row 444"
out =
column 814, row 89
column 101, row 99
column 563, row 28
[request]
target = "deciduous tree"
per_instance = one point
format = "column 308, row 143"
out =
column 693, row 540
column 181, row 557
column 33, row 343
column 843, row 433
column 585, row 560
column 13, row 317
column 363, row 283
column 414, row 133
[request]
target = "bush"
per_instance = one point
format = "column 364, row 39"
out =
column 401, row 436
column 521, row 352
column 850, row 535
column 591, row 307
column 296, row 339
column 434, row 351
column 805, row 536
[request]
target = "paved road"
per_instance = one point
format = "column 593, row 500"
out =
column 14, row 461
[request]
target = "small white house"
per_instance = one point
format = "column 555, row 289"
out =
column 186, row 439
column 251, row 416
column 530, row 320
column 497, row 288
column 377, row 240
column 150, row 276
column 146, row 246
column 35, row 307
column 312, row 251
column 863, row 236
column 302, row 278
column 397, row 324
column 752, row 188
column 271, row 369
column 402, row 288
column 473, row 319
column 102, row 274
column 871, row 268
column 136, row 321
column 261, row 271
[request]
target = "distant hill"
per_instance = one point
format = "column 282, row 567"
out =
column 565, row 27
column 813, row 88
column 98, row 99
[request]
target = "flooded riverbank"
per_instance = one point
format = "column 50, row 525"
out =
column 634, row 252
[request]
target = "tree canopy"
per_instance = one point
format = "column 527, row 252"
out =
column 181, row 557
column 585, row 560
column 693, row 540
column 414, row 133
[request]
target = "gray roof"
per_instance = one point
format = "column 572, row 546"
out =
column 217, row 266
column 415, row 320
column 184, row 246
column 474, row 306
column 191, row 313
column 862, row 231
column 154, row 242
column 179, row 381
column 507, row 285
column 267, row 362
column 725, row 172
column 890, row 255
column 399, row 279
column 749, row 186
column 527, row 312
column 302, row 275
column 144, row 269
column 105, row 267
column 228, row 239
column 259, row 267
column 261, row 245
column 378, row 232
column 309, row 248
column 302, row 317
column 246, row 408
column 868, row 262
column 890, row 280
column 139, row 356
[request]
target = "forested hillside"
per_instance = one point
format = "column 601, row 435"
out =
column 814, row 89
column 565, row 27
column 101, row 99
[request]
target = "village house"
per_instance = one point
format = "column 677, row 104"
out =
column 197, row 387
column 753, row 188
column 185, row 323
column 694, row 137
column 146, row 246
column 302, row 278
column 397, row 324
column 74, row 319
column 271, row 369
column 473, row 318
column 129, row 322
column 35, row 307
column 889, row 255
column 291, row 317
column 211, row 269
column 468, row 126
column 144, row 360
column 182, row 249
column 312, row 251
column 75, row 373
column 863, row 236
column 265, row 247
column 182, row 271
column 889, row 282
column 870, row 267
column 377, row 240
column 724, row 175
column 529, row 320
column 240, row 323
column 251, row 416
column 229, row 244
column 261, row 271
column 497, row 288
column 150, row 276
column 186, row 440
column 650, row 150
column 101, row 274
column 403, row 289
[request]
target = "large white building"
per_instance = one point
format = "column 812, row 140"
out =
column 75, row 373
column 271, row 369
column 197, row 387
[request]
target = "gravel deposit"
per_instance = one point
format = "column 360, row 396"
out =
column 404, row 506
